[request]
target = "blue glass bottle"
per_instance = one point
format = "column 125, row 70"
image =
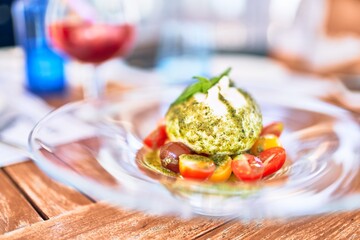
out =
column 44, row 68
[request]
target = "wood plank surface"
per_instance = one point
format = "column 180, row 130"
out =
column 105, row 222
column 82, row 158
column 15, row 211
column 334, row 226
column 49, row 197
column 99, row 220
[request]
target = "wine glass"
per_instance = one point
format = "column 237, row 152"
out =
column 92, row 32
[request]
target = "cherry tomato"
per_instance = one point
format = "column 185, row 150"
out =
column 275, row 128
column 196, row 166
column 222, row 171
column 156, row 138
column 169, row 155
column 247, row 167
column 265, row 142
column 273, row 159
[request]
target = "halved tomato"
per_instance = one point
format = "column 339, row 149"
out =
column 156, row 138
column 222, row 171
column 196, row 166
column 273, row 159
column 265, row 142
column 275, row 128
column 247, row 167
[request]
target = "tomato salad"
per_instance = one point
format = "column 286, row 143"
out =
column 213, row 131
column 264, row 158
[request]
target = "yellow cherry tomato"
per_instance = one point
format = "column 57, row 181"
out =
column 265, row 142
column 222, row 171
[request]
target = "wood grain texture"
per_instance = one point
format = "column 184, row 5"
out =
column 342, row 17
column 101, row 221
column 105, row 222
column 15, row 211
column 333, row 226
column 82, row 158
column 75, row 93
column 50, row 197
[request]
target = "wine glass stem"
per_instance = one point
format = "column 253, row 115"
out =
column 95, row 88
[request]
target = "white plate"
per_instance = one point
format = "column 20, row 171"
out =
column 263, row 72
column 3, row 103
column 348, row 92
column 321, row 140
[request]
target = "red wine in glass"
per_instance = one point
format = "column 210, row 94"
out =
column 92, row 32
column 92, row 42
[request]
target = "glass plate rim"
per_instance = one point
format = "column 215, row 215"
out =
column 75, row 179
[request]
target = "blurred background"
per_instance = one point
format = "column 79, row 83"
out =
column 232, row 26
column 6, row 24
column 313, row 37
column 235, row 24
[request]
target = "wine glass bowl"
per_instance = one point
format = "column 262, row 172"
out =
column 91, row 32
column 321, row 173
column 92, row 43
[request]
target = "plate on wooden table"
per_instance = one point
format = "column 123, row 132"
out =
column 322, row 143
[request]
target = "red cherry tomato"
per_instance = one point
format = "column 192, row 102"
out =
column 169, row 155
column 273, row 159
column 196, row 166
column 274, row 128
column 156, row 138
column 247, row 167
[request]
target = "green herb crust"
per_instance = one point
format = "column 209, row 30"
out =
column 219, row 160
column 152, row 161
column 195, row 125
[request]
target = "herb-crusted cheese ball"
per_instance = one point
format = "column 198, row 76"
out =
column 223, row 120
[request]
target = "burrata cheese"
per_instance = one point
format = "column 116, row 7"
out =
column 225, row 120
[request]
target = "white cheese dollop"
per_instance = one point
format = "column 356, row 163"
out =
column 231, row 94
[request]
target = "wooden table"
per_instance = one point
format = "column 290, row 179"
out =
column 33, row 206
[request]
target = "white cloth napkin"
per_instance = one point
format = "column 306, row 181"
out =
column 21, row 110
column 19, row 113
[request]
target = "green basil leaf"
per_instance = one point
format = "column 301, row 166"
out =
column 201, row 79
column 202, row 85
column 216, row 79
